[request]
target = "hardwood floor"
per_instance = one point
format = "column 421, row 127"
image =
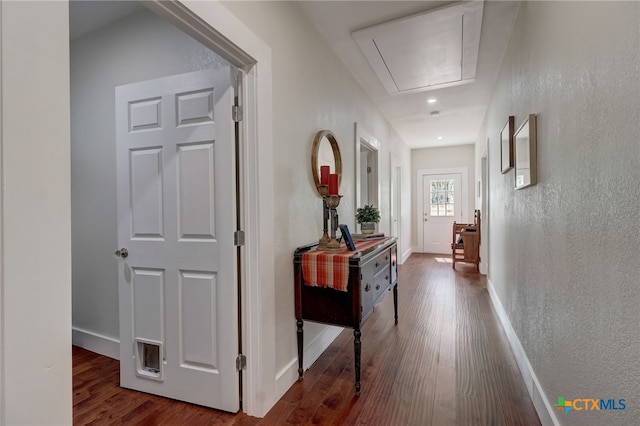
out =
column 447, row 362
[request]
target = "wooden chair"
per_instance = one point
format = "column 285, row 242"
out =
column 465, row 242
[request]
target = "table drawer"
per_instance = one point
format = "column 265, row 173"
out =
column 381, row 283
column 381, row 262
column 367, row 291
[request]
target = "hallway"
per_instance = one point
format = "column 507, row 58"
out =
column 447, row 362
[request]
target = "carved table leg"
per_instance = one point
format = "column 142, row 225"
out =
column 300, row 344
column 357, row 350
column 395, row 301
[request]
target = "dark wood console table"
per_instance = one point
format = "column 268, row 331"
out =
column 371, row 272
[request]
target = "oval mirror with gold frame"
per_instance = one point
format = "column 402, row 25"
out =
column 325, row 151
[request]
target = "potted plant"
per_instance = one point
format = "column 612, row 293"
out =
column 367, row 217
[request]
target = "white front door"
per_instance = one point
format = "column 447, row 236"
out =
column 176, row 204
column 442, row 205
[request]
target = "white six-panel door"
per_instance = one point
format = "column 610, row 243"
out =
column 178, row 298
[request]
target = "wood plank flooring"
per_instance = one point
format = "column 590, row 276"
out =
column 447, row 362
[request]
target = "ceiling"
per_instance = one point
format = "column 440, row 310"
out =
column 386, row 45
column 398, row 58
column 86, row 16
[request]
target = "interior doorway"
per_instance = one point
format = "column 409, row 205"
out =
column 368, row 175
column 253, row 182
column 175, row 138
column 396, row 202
column 366, row 168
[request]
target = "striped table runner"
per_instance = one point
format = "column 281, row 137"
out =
column 331, row 270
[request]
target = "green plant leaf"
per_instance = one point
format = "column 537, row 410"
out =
column 368, row 213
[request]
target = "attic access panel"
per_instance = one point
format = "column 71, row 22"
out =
column 430, row 50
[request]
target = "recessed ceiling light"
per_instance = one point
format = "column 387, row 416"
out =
column 432, row 100
column 440, row 138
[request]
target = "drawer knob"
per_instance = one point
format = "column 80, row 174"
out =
column 377, row 264
column 377, row 286
column 387, row 278
column 367, row 287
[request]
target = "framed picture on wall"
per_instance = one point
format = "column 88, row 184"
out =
column 506, row 145
column 525, row 153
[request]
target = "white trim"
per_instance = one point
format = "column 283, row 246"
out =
column 36, row 209
column 219, row 29
column 536, row 392
column 94, row 342
column 406, row 255
column 395, row 198
column 2, row 299
column 464, row 171
column 287, row 377
column 312, row 351
column 484, row 208
column 317, row 346
column 363, row 137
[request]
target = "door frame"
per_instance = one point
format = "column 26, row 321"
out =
column 219, row 30
column 464, row 171
column 485, row 206
column 395, row 199
column 2, row 403
column 363, row 139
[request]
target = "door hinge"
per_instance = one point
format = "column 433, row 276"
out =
column 369, row 169
column 238, row 238
column 241, row 362
column 236, row 113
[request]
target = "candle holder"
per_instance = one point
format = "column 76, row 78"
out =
column 332, row 202
column 325, row 217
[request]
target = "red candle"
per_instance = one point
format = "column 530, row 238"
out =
column 324, row 175
column 333, row 184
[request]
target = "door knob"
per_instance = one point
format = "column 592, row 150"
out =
column 121, row 253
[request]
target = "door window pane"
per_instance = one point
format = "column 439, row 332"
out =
column 442, row 196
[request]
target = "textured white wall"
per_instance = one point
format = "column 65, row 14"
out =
column 441, row 158
column 311, row 91
column 36, row 267
column 564, row 253
column 136, row 48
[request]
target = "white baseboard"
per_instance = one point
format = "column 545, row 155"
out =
column 483, row 268
column 312, row 351
column 540, row 401
column 406, row 255
column 94, row 342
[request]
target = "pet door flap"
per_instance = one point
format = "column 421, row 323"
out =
column 149, row 359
